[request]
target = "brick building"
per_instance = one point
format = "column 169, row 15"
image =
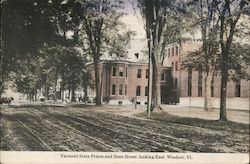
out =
column 122, row 80
column 191, row 83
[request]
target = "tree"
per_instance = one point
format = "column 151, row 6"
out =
column 25, row 26
column 163, row 25
column 207, row 13
column 100, row 20
column 205, row 18
column 218, row 21
column 72, row 70
column 230, row 13
column 28, row 77
column 87, row 81
column 52, row 65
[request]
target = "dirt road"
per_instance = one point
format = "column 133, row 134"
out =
column 47, row 128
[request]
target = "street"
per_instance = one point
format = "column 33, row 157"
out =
column 55, row 128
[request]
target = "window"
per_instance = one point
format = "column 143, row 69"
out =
column 172, row 65
column 121, row 74
column 175, row 83
column 172, row 51
column 146, row 91
column 139, row 73
column 147, row 73
column 120, row 89
column 189, row 82
column 138, row 91
column 113, row 89
column 237, row 88
column 176, row 66
column 113, row 71
column 126, row 72
column 176, row 50
column 169, row 52
column 137, row 55
column 200, row 84
column 126, row 89
column 162, row 76
column 199, row 91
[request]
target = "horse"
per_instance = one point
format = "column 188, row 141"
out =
column 6, row 100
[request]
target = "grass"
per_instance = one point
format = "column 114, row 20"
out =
column 81, row 106
column 197, row 122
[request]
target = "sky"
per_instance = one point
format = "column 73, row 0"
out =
column 133, row 19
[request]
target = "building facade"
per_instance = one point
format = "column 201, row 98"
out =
column 191, row 83
column 124, row 80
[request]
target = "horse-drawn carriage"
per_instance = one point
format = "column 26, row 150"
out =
column 6, row 100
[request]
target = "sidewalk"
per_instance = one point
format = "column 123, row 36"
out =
column 232, row 103
column 235, row 115
column 241, row 116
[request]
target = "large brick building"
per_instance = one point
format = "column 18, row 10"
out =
column 122, row 80
column 191, row 83
column 125, row 79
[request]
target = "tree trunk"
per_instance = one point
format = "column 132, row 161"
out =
column 1, row 87
column 98, row 101
column 69, row 97
column 85, row 90
column 156, row 87
column 223, row 115
column 1, row 68
column 208, row 80
column 46, row 91
column 73, row 95
column 55, row 94
column 1, row 90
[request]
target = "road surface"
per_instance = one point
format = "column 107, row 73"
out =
column 50, row 128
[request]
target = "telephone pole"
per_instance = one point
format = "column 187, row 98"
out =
column 149, row 75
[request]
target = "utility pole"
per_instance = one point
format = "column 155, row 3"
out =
column 149, row 76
